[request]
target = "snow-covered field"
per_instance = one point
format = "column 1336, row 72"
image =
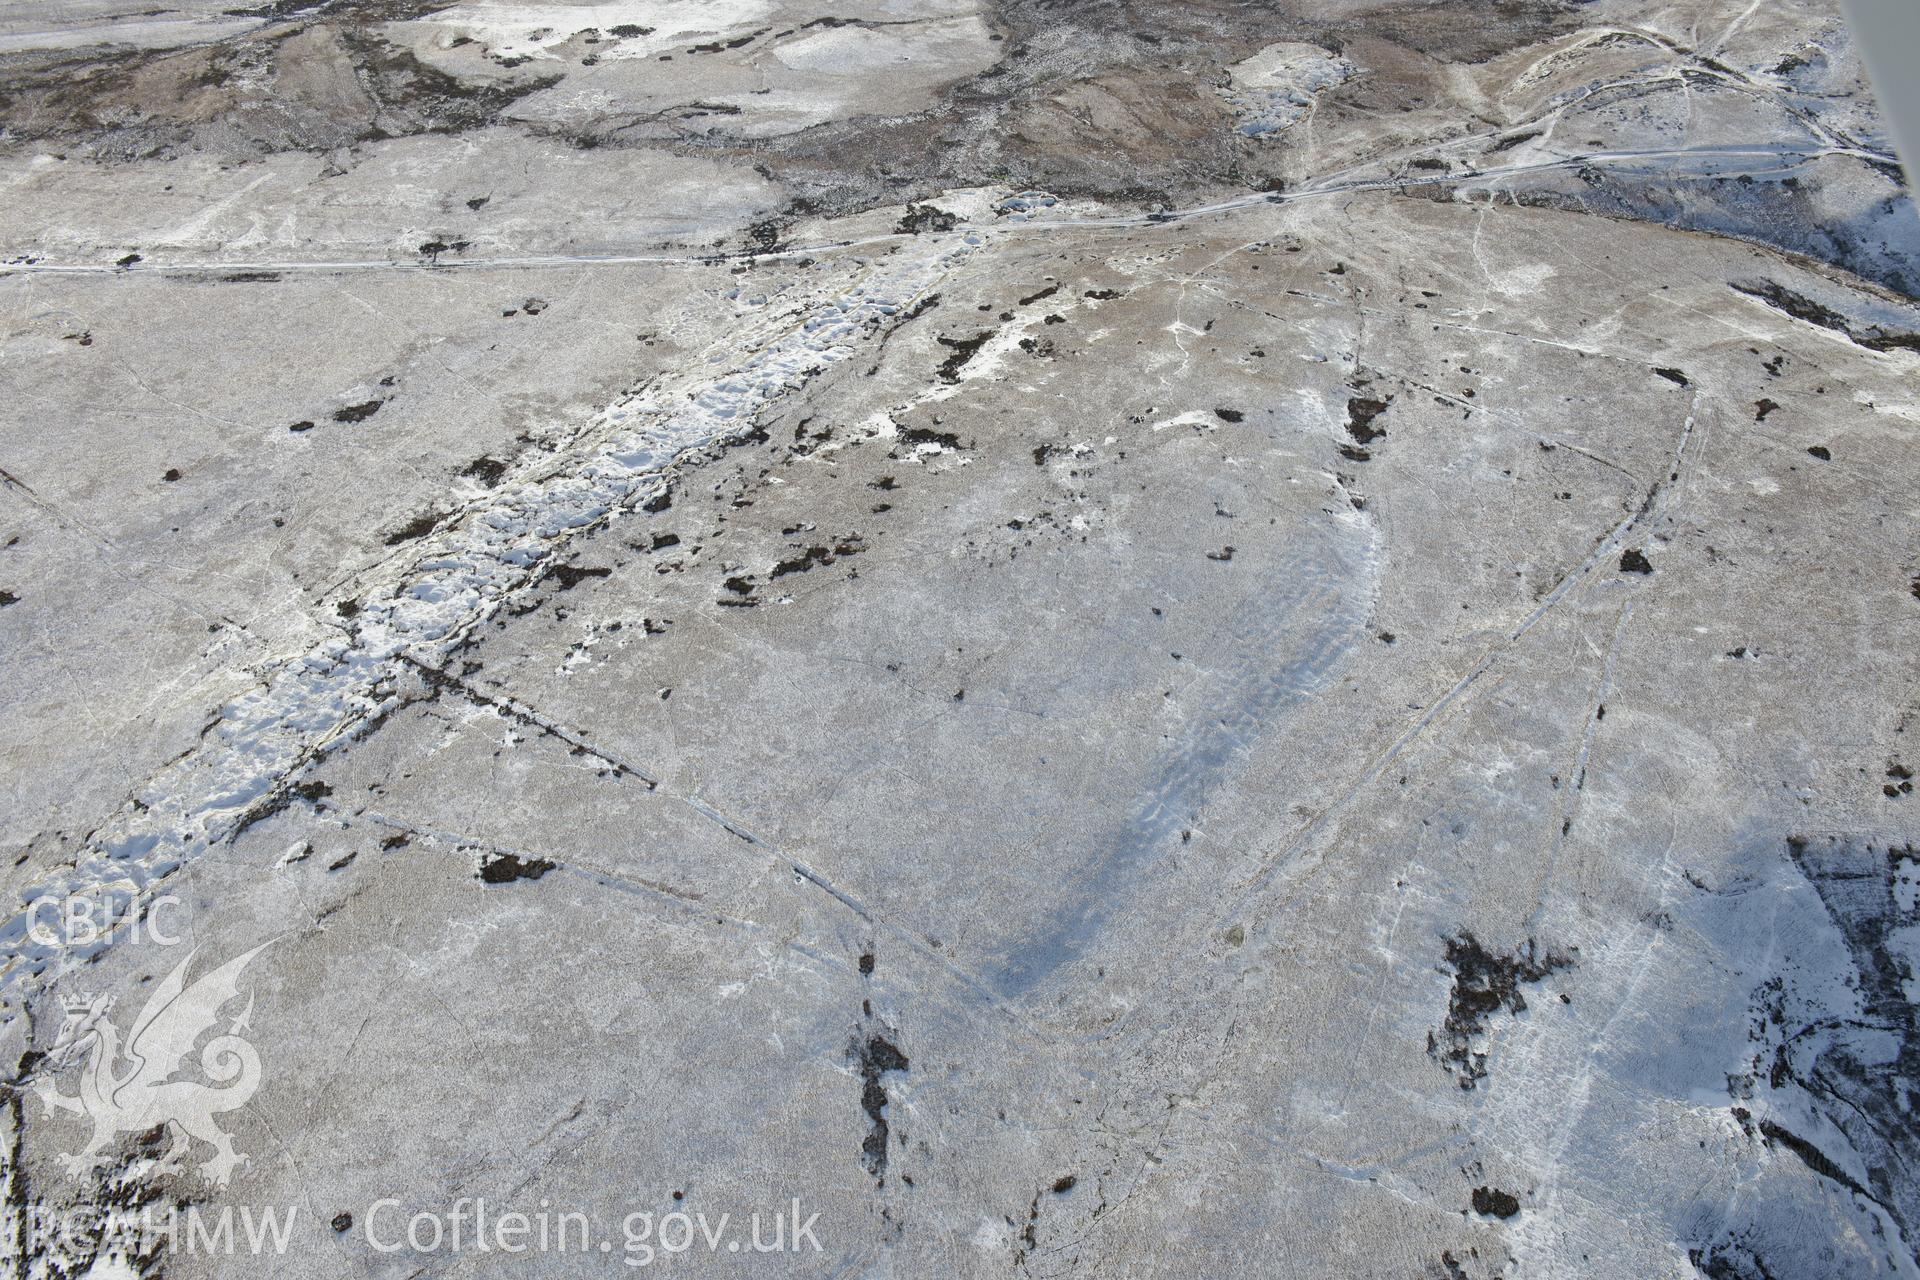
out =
column 1151, row 640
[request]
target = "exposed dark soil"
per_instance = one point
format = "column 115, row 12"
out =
column 875, row 1056
column 505, row 868
column 1484, row 984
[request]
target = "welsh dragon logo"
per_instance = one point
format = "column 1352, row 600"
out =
column 131, row 1087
